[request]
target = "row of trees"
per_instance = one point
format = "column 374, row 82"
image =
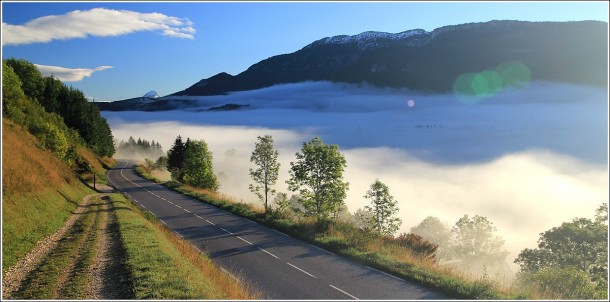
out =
column 569, row 263
column 317, row 176
column 55, row 97
column 140, row 148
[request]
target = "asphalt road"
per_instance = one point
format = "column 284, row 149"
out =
column 278, row 265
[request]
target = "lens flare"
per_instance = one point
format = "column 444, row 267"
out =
column 472, row 88
column 410, row 103
column 514, row 74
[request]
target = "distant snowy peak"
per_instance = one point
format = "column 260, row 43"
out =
column 370, row 39
column 151, row 95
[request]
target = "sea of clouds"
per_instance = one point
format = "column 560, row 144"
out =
column 527, row 159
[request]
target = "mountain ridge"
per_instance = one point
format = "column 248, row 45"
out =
column 574, row 52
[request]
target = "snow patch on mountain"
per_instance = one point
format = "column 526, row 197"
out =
column 371, row 39
column 151, row 95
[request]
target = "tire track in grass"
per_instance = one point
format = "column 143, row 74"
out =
column 48, row 279
column 13, row 279
column 86, row 262
column 110, row 277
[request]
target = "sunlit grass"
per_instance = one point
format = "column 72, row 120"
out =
column 359, row 245
column 38, row 193
column 164, row 266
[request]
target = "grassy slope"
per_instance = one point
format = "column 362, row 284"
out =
column 38, row 193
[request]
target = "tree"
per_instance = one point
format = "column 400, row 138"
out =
column 435, row 231
column 582, row 244
column 475, row 239
column 175, row 157
column 265, row 175
column 318, row 176
column 383, row 208
column 31, row 78
column 571, row 261
column 11, row 84
column 601, row 214
column 197, row 170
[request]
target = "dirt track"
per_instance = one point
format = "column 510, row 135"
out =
column 84, row 259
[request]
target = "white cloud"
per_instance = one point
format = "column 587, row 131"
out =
column 69, row 74
column 98, row 22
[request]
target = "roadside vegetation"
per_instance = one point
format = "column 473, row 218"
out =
column 61, row 239
column 432, row 254
column 164, row 266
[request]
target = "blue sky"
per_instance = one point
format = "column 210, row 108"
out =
column 124, row 50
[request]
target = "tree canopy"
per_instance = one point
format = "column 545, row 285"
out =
column 197, row 170
column 68, row 103
column 318, row 176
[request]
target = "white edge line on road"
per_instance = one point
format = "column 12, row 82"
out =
column 268, row 253
column 323, row 250
column 343, row 291
column 303, row 271
column 209, row 222
column 187, row 210
column 384, row 273
column 250, row 220
column 244, row 240
column 163, row 222
column 279, row 232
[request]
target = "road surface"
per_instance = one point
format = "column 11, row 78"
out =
column 279, row 266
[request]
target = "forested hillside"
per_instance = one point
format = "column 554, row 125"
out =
column 25, row 89
column 41, row 153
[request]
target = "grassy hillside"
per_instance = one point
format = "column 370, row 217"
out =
column 38, row 192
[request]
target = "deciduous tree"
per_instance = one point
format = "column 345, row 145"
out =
column 197, row 170
column 318, row 175
column 383, row 208
column 267, row 169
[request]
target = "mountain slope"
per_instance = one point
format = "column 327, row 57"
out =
column 573, row 52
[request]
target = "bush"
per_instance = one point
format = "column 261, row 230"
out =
column 422, row 248
column 560, row 283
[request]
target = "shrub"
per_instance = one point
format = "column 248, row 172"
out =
column 418, row 245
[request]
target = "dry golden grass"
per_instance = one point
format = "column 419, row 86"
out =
column 38, row 192
column 96, row 162
column 222, row 281
column 27, row 168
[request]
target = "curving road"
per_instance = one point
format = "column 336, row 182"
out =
column 279, row 266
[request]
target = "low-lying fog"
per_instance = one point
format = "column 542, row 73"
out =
column 528, row 160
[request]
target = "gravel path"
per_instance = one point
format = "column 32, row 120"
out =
column 108, row 274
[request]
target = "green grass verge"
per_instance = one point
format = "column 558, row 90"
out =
column 159, row 268
column 437, row 279
column 27, row 218
column 75, row 252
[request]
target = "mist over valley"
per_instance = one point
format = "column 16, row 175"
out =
column 527, row 159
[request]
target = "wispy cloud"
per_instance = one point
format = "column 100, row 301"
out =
column 99, row 22
column 69, row 74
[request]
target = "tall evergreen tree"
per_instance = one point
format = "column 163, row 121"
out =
column 175, row 158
